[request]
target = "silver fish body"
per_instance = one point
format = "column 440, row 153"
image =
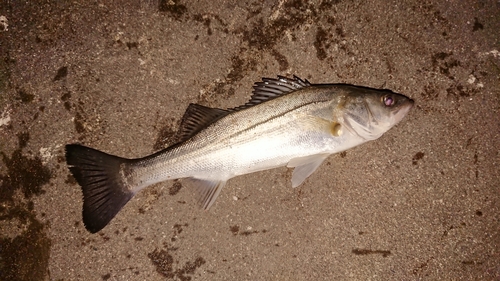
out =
column 287, row 122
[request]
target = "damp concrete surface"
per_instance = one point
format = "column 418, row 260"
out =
column 420, row 203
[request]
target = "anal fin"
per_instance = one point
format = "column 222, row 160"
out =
column 207, row 190
column 304, row 167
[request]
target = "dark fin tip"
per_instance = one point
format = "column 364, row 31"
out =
column 104, row 193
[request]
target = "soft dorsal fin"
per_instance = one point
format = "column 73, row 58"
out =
column 196, row 118
column 271, row 88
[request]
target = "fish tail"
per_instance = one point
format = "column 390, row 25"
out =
column 100, row 176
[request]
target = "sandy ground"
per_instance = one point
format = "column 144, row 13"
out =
column 420, row 203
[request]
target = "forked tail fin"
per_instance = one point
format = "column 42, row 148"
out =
column 99, row 175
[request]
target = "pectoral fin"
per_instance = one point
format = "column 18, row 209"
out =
column 207, row 190
column 304, row 167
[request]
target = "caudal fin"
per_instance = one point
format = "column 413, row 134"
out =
column 104, row 193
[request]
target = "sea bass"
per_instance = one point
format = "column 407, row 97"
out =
column 287, row 122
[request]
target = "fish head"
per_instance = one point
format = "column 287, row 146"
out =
column 369, row 113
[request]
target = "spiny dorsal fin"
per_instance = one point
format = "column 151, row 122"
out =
column 196, row 118
column 271, row 88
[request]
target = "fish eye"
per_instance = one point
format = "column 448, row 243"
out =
column 388, row 100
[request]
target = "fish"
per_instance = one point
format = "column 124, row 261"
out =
column 287, row 122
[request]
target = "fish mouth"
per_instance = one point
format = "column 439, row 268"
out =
column 403, row 110
column 374, row 128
